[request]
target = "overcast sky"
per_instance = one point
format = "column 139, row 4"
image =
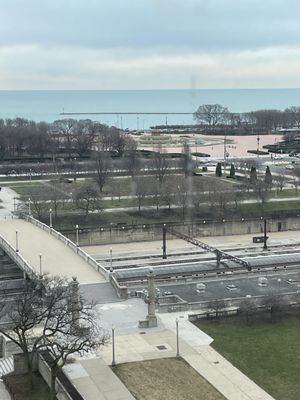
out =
column 149, row 44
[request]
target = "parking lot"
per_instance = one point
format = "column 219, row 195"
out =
column 250, row 284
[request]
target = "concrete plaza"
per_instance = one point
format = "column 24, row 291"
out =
column 94, row 379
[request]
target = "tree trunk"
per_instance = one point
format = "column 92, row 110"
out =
column 28, row 358
column 52, row 386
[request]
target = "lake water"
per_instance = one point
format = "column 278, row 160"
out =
column 47, row 105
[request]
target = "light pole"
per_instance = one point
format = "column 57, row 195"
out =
column 111, row 266
column 77, row 236
column 113, row 363
column 30, row 174
column 29, row 206
column 279, row 282
column 177, row 339
column 40, row 256
column 50, row 218
column 17, row 242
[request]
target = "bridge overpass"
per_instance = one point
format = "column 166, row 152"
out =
column 59, row 255
column 47, row 251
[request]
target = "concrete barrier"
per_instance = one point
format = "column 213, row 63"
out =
column 149, row 232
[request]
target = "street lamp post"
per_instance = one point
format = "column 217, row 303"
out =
column 111, row 266
column 50, row 218
column 113, row 363
column 279, row 281
column 40, row 256
column 17, row 242
column 77, row 236
column 177, row 339
column 29, row 206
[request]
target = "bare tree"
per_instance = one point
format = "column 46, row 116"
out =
column 274, row 303
column 64, row 129
column 293, row 116
column 72, row 328
column 296, row 178
column 133, row 161
column 37, row 198
column 102, row 165
column 248, row 307
column 197, row 196
column 115, row 188
column 168, row 190
column 267, row 120
column 19, row 316
column 211, row 114
column 155, row 190
column 217, row 306
column 118, row 141
column 50, row 315
column 160, row 163
column 280, row 181
column 87, row 198
column 140, row 189
column 83, row 136
column 262, row 192
column 183, row 195
column 57, row 195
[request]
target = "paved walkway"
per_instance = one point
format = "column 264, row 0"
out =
column 134, row 344
column 57, row 258
column 9, row 201
column 4, row 395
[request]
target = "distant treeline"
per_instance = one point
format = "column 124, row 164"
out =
column 215, row 117
column 20, row 137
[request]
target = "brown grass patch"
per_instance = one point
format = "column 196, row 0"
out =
column 168, row 379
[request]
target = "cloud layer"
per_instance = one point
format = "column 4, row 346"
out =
column 123, row 44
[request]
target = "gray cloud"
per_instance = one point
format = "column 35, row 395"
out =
column 191, row 24
column 149, row 43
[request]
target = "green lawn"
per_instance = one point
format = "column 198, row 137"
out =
column 267, row 353
column 166, row 379
column 25, row 189
column 255, row 209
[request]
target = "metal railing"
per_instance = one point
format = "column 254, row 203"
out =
column 87, row 258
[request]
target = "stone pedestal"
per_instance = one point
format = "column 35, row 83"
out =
column 151, row 320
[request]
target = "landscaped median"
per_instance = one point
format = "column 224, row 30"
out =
column 167, row 378
column 268, row 353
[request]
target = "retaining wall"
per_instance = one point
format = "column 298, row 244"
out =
column 150, row 232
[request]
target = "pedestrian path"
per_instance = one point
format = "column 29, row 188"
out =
column 96, row 381
column 56, row 257
column 4, row 395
